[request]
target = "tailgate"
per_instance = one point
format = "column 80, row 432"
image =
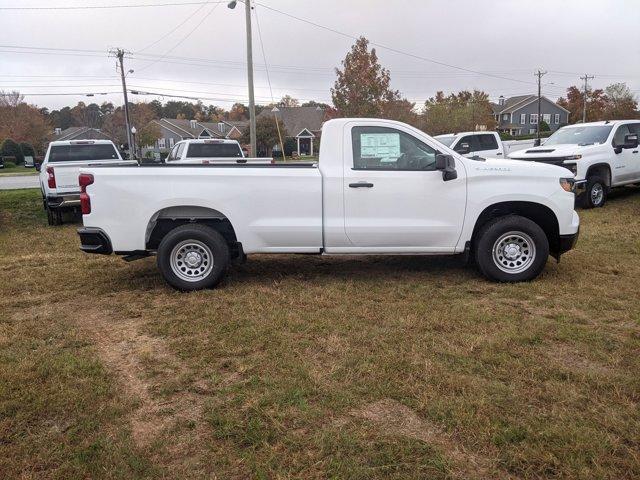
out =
column 67, row 173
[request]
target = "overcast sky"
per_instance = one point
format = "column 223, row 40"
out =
column 504, row 39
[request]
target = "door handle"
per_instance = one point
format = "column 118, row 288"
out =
column 361, row 185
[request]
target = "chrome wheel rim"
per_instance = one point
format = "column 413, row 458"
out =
column 597, row 194
column 191, row 260
column 514, row 252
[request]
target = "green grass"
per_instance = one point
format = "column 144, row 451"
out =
column 12, row 169
column 314, row 367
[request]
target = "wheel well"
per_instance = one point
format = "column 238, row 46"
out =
column 601, row 169
column 169, row 218
column 536, row 212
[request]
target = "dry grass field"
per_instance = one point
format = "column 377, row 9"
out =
column 311, row 368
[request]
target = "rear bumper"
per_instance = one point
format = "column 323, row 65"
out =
column 567, row 242
column 70, row 200
column 94, row 240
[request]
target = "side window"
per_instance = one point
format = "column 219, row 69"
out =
column 172, row 154
column 383, row 148
column 487, row 142
column 179, row 150
column 618, row 137
column 469, row 140
column 634, row 128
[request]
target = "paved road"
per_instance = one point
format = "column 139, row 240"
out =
column 18, row 181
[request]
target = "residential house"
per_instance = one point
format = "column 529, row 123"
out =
column 303, row 124
column 519, row 115
column 173, row 130
column 79, row 133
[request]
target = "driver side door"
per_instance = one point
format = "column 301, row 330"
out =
column 394, row 199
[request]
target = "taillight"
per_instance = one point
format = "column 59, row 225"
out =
column 51, row 177
column 84, row 180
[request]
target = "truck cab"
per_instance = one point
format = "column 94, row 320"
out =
column 210, row 151
column 474, row 144
column 602, row 155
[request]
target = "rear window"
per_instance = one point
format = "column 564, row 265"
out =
column 209, row 150
column 74, row 153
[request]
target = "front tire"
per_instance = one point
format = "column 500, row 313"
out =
column 595, row 194
column 511, row 249
column 193, row 257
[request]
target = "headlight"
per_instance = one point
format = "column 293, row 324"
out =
column 573, row 157
column 567, row 184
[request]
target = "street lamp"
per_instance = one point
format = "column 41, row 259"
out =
column 252, row 104
column 133, row 139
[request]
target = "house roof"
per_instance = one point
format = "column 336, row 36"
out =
column 297, row 119
column 512, row 104
column 80, row 133
column 187, row 129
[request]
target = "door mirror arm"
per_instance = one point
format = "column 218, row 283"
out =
column 447, row 165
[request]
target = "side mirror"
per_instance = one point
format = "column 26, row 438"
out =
column 463, row 148
column 536, row 142
column 447, row 165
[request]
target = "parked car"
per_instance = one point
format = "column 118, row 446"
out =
column 29, row 162
column 380, row 187
column 482, row 144
column 207, row 151
column 60, row 168
column 602, row 155
column 474, row 144
column 1, row 162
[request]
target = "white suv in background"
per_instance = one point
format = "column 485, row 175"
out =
column 602, row 155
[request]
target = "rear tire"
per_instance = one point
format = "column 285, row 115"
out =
column 595, row 194
column 511, row 249
column 193, row 257
column 54, row 217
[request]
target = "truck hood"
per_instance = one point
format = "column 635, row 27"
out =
column 553, row 151
column 502, row 166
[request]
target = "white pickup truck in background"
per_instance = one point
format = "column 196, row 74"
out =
column 482, row 144
column 602, row 155
column 206, row 151
column 60, row 168
column 380, row 187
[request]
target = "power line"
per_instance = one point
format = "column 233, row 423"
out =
column 391, row 49
column 182, row 40
column 174, row 29
column 107, row 7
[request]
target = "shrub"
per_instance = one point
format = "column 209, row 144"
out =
column 27, row 150
column 11, row 148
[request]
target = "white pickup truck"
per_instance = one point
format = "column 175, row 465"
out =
column 206, row 151
column 602, row 155
column 380, row 187
column 60, row 168
column 482, row 144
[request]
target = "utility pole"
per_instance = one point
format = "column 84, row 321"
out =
column 120, row 53
column 252, row 103
column 539, row 74
column 586, row 79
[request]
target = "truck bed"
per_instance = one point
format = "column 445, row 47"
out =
column 276, row 207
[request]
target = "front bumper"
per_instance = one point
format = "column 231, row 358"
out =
column 567, row 242
column 94, row 240
column 71, row 200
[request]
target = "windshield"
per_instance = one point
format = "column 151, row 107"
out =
column 77, row 153
column 213, row 150
column 446, row 140
column 587, row 135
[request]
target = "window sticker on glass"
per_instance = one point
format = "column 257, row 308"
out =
column 385, row 146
